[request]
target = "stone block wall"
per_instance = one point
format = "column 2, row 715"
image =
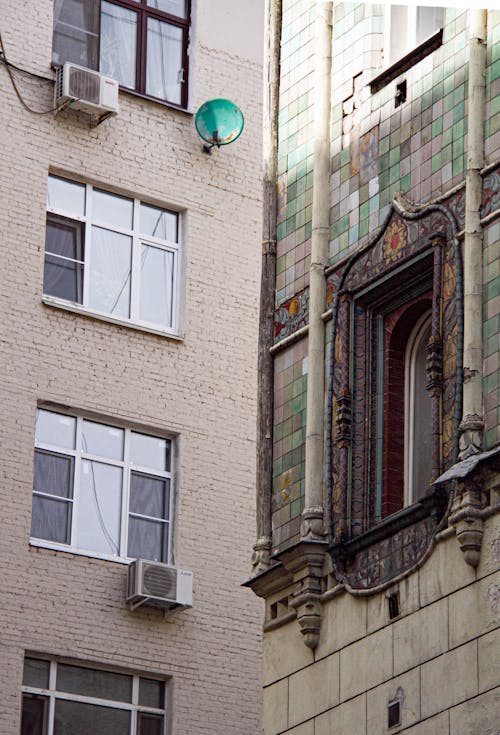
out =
column 438, row 657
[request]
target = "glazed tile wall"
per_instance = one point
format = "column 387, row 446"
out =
column 295, row 149
column 290, row 385
column 377, row 149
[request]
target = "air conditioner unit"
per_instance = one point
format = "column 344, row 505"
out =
column 159, row 585
column 86, row 90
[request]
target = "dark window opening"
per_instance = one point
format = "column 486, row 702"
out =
column 400, row 93
column 393, row 604
column 393, row 714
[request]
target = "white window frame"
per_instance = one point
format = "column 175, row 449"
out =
column 127, row 468
column 410, row 24
column 137, row 240
column 52, row 695
column 413, row 345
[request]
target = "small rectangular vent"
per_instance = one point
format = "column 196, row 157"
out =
column 84, row 85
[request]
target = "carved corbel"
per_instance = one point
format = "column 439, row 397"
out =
column 305, row 561
column 261, row 555
column 466, row 515
column 471, row 436
column 470, row 499
column 311, row 526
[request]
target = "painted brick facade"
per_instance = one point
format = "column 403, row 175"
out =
column 201, row 388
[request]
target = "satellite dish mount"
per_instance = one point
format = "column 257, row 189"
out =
column 218, row 122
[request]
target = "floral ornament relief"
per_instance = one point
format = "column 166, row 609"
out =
column 394, row 241
column 494, row 597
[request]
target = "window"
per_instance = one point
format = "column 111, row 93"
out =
column 101, row 490
column 67, row 699
column 114, row 256
column 418, row 413
column 141, row 43
column 404, row 410
column 407, row 27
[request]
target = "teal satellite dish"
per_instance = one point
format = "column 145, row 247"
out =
column 218, row 122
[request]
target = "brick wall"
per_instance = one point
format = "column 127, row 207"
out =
column 202, row 388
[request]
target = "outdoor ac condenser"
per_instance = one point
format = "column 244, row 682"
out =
column 159, row 585
column 86, row 90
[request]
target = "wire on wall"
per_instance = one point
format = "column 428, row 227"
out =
column 12, row 69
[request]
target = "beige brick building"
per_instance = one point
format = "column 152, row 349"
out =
column 128, row 295
column 378, row 538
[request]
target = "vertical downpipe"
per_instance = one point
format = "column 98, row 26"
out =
column 265, row 366
column 471, row 427
column 312, row 516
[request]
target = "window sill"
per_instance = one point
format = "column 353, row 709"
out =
column 78, row 309
column 186, row 110
column 40, row 544
column 434, row 504
column 406, row 62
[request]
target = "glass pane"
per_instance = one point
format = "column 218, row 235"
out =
column 56, row 429
column 50, row 519
column 150, row 451
column 164, row 61
column 36, row 673
column 53, row 474
column 149, row 496
column 63, row 279
column 105, row 441
column 118, row 43
column 157, row 278
column 94, row 683
column 66, row 196
column 64, row 237
column 99, row 508
column 159, row 223
column 147, row 539
column 77, row 718
column 152, row 693
column 76, row 32
column 110, row 272
column 174, row 7
column 150, row 724
column 112, row 209
column 34, row 715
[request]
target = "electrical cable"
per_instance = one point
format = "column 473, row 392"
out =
column 9, row 67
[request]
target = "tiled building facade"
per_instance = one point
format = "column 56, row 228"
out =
column 387, row 237
column 128, row 294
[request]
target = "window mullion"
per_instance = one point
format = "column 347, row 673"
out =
column 52, row 701
column 135, row 701
column 76, row 482
column 87, row 245
column 135, row 276
column 126, row 479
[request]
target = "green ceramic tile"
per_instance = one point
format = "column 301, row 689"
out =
column 436, row 162
column 406, row 183
column 437, row 127
column 458, row 112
